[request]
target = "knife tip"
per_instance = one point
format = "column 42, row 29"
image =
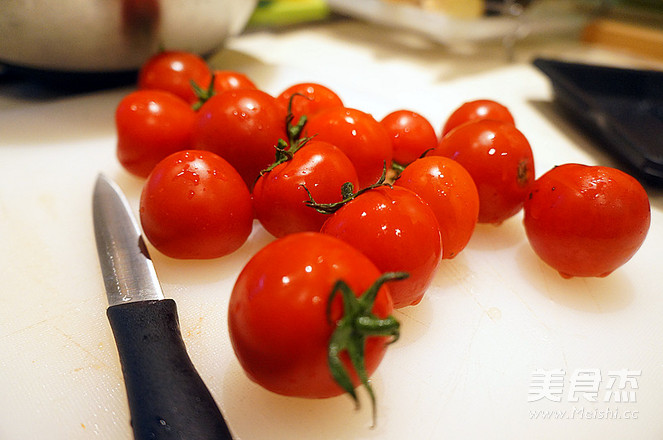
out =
column 104, row 181
column 101, row 177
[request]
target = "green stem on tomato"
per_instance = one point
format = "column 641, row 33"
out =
column 294, row 132
column 285, row 149
column 347, row 194
column 398, row 169
column 203, row 95
column 353, row 328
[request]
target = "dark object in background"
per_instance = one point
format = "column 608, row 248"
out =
column 621, row 107
column 68, row 81
column 505, row 7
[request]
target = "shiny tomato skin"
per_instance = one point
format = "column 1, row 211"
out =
column 150, row 125
column 398, row 231
column 358, row 135
column 411, row 135
column 243, row 127
column 475, row 110
column 279, row 195
column 194, row 205
column 586, row 221
column 315, row 98
column 225, row 80
column 499, row 159
column 173, row 71
column 450, row 192
column 277, row 318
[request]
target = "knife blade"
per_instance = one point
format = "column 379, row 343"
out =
column 167, row 397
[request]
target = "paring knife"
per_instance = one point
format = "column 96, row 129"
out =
column 167, row 397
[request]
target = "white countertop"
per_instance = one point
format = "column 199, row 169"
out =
column 465, row 363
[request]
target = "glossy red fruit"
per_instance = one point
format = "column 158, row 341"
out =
column 586, row 221
column 194, row 205
column 358, row 135
column 309, row 98
column 450, row 192
column 150, row 125
column 280, row 194
column 475, row 110
column 174, row 71
column 499, row 159
column 243, row 126
column 225, row 80
column 411, row 135
column 398, row 231
column 277, row 313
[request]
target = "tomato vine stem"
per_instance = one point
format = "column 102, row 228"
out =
column 202, row 94
column 285, row 149
column 353, row 328
column 347, row 194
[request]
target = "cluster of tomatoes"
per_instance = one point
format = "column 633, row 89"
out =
column 362, row 210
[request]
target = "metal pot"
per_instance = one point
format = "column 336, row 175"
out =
column 113, row 35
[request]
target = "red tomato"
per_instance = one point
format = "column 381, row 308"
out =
column 195, row 205
column 277, row 314
column 315, row 97
column 174, row 71
column 243, row 127
column 479, row 109
column 279, row 195
column 450, row 192
column 225, row 80
column 586, row 221
column 411, row 135
column 358, row 135
column 499, row 159
column 151, row 124
column 397, row 231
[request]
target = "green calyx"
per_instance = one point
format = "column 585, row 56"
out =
column 202, row 94
column 285, row 149
column 347, row 194
column 283, row 154
column 352, row 330
column 398, row 168
column 295, row 131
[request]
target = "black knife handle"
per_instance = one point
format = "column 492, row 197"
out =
column 167, row 397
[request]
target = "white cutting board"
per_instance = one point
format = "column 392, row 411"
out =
column 462, row 369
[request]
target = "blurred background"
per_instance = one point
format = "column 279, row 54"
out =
column 118, row 35
column 83, row 45
column 629, row 25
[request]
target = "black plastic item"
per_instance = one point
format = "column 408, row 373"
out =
column 167, row 397
column 624, row 107
column 70, row 81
